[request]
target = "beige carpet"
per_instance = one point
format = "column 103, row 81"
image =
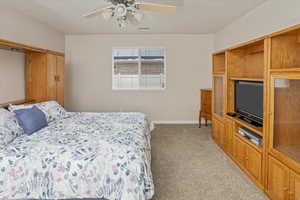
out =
column 187, row 165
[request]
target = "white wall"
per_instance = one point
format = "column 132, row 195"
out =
column 89, row 75
column 269, row 17
column 23, row 29
column 12, row 76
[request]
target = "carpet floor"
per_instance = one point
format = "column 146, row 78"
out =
column 188, row 165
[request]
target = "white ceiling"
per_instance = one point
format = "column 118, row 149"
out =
column 193, row 16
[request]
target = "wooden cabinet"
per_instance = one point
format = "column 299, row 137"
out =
column 283, row 183
column 294, row 186
column 206, row 109
column 278, row 180
column 249, row 159
column 45, row 77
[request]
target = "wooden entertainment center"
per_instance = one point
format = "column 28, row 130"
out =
column 274, row 60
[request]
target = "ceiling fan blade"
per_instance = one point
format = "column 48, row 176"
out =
column 96, row 12
column 132, row 19
column 156, row 7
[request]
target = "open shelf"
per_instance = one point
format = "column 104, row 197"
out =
column 219, row 63
column 285, row 50
column 247, row 61
column 258, row 148
column 255, row 129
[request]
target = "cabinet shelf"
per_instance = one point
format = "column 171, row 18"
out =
column 258, row 148
column 292, row 151
column 246, row 79
column 255, row 129
column 293, row 69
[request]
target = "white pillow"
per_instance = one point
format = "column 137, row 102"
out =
column 51, row 109
column 9, row 128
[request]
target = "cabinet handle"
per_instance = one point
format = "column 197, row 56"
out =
column 56, row 78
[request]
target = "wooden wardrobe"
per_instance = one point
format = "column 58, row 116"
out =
column 44, row 73
column 45, row 77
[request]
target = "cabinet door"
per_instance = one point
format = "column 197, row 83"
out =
column 36, row 77
column 218, row 132
column 229, row 128
column 218, row 95
column 278, row 180
column 254, row 163
column 240, row 151
column 294, row 186
column 60, row 71
column 51, row 74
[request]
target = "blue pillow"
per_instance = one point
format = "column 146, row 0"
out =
column 31, row 120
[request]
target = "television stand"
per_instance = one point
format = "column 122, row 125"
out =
column 250, row 121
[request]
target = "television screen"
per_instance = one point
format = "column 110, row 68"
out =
column 249, row 100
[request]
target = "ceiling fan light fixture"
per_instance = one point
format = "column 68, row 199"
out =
column 129, row 11
column 138, row 15
column 107, row 14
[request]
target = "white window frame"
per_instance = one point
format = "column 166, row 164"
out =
column 139, row 68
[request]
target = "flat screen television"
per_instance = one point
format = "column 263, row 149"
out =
column 249, row 101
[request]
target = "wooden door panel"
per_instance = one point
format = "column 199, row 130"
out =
column 294, row 186
column 278, row 180
column 36, row 77
column 254, row 162
column 240, row 151
column 229, row 136
column 60, row 80
column 216, row 131
column 51, row 73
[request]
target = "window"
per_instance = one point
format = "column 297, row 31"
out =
column 139, row 68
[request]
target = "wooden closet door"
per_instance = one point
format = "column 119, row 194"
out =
column 51, row 76
column 60, row 70
column 36, row 77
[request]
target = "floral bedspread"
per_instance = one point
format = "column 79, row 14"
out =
column 87, row 155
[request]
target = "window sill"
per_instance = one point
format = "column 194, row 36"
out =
column 138, row 89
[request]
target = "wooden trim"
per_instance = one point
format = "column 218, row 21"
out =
column 246, row 79
column 289, row 29
column 285, row 70
column 27, row 48
column 247, row 43
column 220, row 52
column 55, row 53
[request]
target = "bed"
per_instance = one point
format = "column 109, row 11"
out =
column 83, row 155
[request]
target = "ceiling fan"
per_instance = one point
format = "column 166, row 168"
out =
column 128, row 11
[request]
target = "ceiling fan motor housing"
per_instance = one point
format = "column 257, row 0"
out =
column 127, row 3
column 120, row 10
